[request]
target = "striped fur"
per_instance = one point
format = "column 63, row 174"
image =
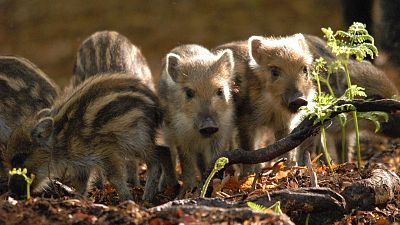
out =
column 195, row 92
column 110, row 52
column 95, row 127
column 24, row 90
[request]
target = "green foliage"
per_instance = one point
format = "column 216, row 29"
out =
column 375, row 117
column 29, row 180
column 344, row 44
column 219, row 164
column 323, row 71
column 320, row 110
column 356, row 41
column 256, row 207
column 276, row 207
column 352, row 92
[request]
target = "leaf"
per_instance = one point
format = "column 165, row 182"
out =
column 375, row 117
column 256, row 207
column 281, row 174
column 247, row 182
column 356, row 41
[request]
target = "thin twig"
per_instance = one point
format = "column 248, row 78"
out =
column 313, row 176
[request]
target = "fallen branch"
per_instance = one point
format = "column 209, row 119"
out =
column 204, row 214
column 304, row 130
column 324, row 205
column 380, row 187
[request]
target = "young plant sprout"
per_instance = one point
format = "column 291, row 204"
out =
column 219, row 164
column 29, row 180
column 355, row 42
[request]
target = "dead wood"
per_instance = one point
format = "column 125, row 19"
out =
column 324, row 205
column 378, row 188
column 192, row 212
column 304, row 130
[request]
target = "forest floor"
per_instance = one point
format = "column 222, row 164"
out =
column 102, row 205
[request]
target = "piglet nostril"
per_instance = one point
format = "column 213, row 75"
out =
column 297, row 103
column 208, row 131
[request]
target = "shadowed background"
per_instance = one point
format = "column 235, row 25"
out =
column 49, row 32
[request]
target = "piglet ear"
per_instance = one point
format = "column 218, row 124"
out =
column 42, row 113
column 226, row 61
column 172, row 67
column 42, row 131
column 255, row 48
column 301, row 40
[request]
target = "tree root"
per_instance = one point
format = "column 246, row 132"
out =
column 378, row 188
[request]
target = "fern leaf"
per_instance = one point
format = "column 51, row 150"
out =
column 375, row 117
column 256, row 207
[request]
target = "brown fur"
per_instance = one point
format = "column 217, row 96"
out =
column 93, row 128
column 24, row 90
column 110, row 52
column 285, row 54
column 195, row 92
column 263, row 99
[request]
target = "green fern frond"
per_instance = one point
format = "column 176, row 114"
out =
column 374, row 116
column 319, row 64
column 356, row 41
column 219, row 164
column 352, row 92
column 326, row 99
column 256, row 207
column 344, row 108
column 334, row 67
column 276, row 207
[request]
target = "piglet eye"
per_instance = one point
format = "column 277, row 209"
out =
column 189, row 93
column 220, row 92
column 305, row 70
column 275, row 72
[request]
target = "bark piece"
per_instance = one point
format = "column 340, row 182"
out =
column 190, row 212
column 380, row 187
column 324, row 205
